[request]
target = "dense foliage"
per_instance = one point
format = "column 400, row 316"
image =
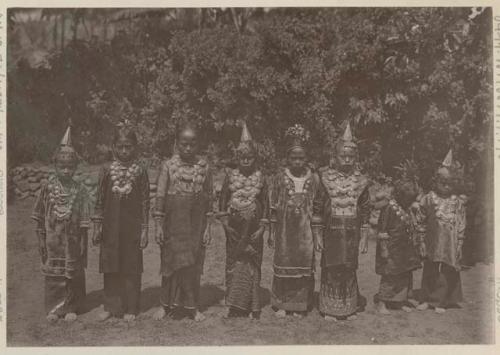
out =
column 412, row 82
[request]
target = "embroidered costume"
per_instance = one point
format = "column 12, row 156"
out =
column 62, row 215
column 443, row 224
column 245, row 199
column 346, row 211
column 296, row 203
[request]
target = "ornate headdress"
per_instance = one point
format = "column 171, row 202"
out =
column 346, row 142
column 450, row 168
column 407, row 178
column 66, row 151
column 246, row 142
column 297, row 137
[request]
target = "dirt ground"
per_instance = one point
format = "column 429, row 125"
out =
column 26, row 326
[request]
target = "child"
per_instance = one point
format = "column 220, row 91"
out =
column 442, row 217
column 62, row 215
column 397, row 243
column 121, row 227
column 244, row 199
column 346, row 217
column 183, row 200
column 296, row 199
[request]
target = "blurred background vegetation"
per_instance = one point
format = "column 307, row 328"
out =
column 413, row 82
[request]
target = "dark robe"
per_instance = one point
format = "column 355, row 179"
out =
column 183, row 197
column 396, row 254
column 247, row 206
column 120, row 258
column 293, row 209
column 345, row 211
column 64, row 268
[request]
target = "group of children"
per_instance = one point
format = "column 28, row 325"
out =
column 306, row 214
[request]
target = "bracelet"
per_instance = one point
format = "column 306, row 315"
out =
column 158, row 214
column 145, row 226
column 264, row 222
column 41, row 231
column 96, row 218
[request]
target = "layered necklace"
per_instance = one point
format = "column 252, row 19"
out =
column 61, row 198
column 188, row 177
column 123, row 177
column 244, row 188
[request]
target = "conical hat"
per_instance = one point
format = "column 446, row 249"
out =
column 66, row 150
column 66, row 140
column 245, row 134
column 347, row 137
column 448, row 161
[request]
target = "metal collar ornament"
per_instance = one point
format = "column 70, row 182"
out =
column 186, row 177
column 123, row 177
column 244, row 189
column 61, row 198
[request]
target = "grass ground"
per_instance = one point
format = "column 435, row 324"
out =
column 26, row 326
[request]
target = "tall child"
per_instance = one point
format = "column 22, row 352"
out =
column 61, row 213
column 296, row 199
column 443, row 224
column 398, row 245
column 121, row 226
column 183, row 200
column 244, row 199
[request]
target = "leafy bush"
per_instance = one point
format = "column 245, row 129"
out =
column 412, row 82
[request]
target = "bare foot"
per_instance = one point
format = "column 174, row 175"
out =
column 104, row 315
column 423, row 306
column 199, row 317
column 330, row 319
column 280, row 313
column 439, row 310
column 352, row 317
column 382, row 309
column 406, row 309
column 413, row 302
column 297, row 315
column 52, row 318
column 159, row 314
column 129, row 317
column 70, row 317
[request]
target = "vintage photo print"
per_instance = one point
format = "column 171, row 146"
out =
column 248, row 176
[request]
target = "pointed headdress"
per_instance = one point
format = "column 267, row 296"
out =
column 450, row 168
column 65, row 150
column 346, row 143
column 246, row 142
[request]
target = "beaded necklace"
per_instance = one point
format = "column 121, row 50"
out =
column 187, row 178
column 61, row 198
column 123, row 177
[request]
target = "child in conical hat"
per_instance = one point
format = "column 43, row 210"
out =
column 442, row 221
column 61, row 213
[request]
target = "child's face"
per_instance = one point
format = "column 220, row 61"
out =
column 406, row 194
column 65, row 168
column 346, row 159
column 186, row 145
column 444, row 183
column 246, row 160
column 297, row 159
column 124, row 149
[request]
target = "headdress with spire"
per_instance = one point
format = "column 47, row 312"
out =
column 346, row 142
column 246, row 142
column 297, row 137
column 450, row 168
column 66, row 151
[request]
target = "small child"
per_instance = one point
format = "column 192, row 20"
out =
column 61, row 213
column 442, row 216
column 121, row 227
column 397, row 256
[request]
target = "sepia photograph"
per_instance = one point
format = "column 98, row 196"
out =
column 249, row 176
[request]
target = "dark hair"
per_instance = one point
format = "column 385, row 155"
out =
column 126, row 133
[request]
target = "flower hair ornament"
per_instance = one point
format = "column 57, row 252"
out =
column 297, row 137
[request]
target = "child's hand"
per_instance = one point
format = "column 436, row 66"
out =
column 144, row 239
column 97, row 235
column 158, row 232
column 422, row 250
column 42, row 248
column 364, row 240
